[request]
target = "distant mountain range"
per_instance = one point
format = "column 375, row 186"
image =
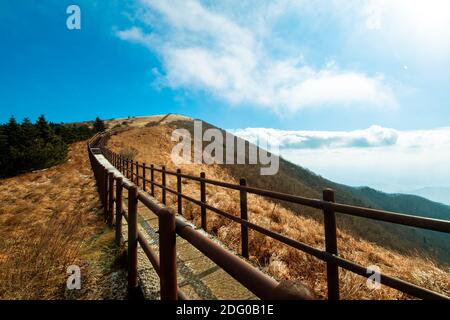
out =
column 400, row 238
column 438, row 194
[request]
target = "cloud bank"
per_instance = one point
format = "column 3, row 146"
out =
column 383, row 158
column 374, row 136
column 204, row 50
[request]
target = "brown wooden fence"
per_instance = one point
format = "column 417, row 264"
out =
column 140, row 174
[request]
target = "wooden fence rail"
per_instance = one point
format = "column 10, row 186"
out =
column 170, row 225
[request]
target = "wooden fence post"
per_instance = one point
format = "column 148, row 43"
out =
column 137, row 173
column 244, row 216
column 100, row 183
column 329, row 220
column 152, row 179
column 132, row 171
column 167, row 254
column 179, row 198
column 132, row 241
column 163, row 189
column 110, row 198
column 105, row 191
column 119, row 190
column 203, row 200
column 143, row 176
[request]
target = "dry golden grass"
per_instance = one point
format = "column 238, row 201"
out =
column 154, row 147
column 49, row 220
column 142, row 121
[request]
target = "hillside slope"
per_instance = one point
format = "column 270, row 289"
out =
column 406, row 203
column 294, row 179
column 49, row 220
column 434, row 245
column 437, row 194
column 152, row 144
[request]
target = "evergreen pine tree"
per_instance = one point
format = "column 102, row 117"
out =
column 43, row 128
column 4, row 152
column 28, row 132
column 12, row 132
column 30, row 144
column 99, row 125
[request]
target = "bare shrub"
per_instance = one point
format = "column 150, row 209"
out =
column 129, row 153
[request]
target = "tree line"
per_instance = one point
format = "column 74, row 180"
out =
column 31, row 146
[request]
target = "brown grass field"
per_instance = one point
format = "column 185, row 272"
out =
column 153, row 146
column 49, row 220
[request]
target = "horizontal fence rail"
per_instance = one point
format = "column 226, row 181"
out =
column 260, row 284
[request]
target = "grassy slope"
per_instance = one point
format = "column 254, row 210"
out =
column 49, row 220
column 153, row 145
column 435, row 243
column 400, row 238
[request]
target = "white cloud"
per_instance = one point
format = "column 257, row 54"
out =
column 133, row 34
column 136, row 35
column 415, row 30
column 410, row 27
column 384, row 158
column 375, row 136
column 204, row 50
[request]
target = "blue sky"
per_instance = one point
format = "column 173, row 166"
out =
column 75, row 75
column 288, row 65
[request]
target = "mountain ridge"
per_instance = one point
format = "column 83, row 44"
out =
column 436, row 194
